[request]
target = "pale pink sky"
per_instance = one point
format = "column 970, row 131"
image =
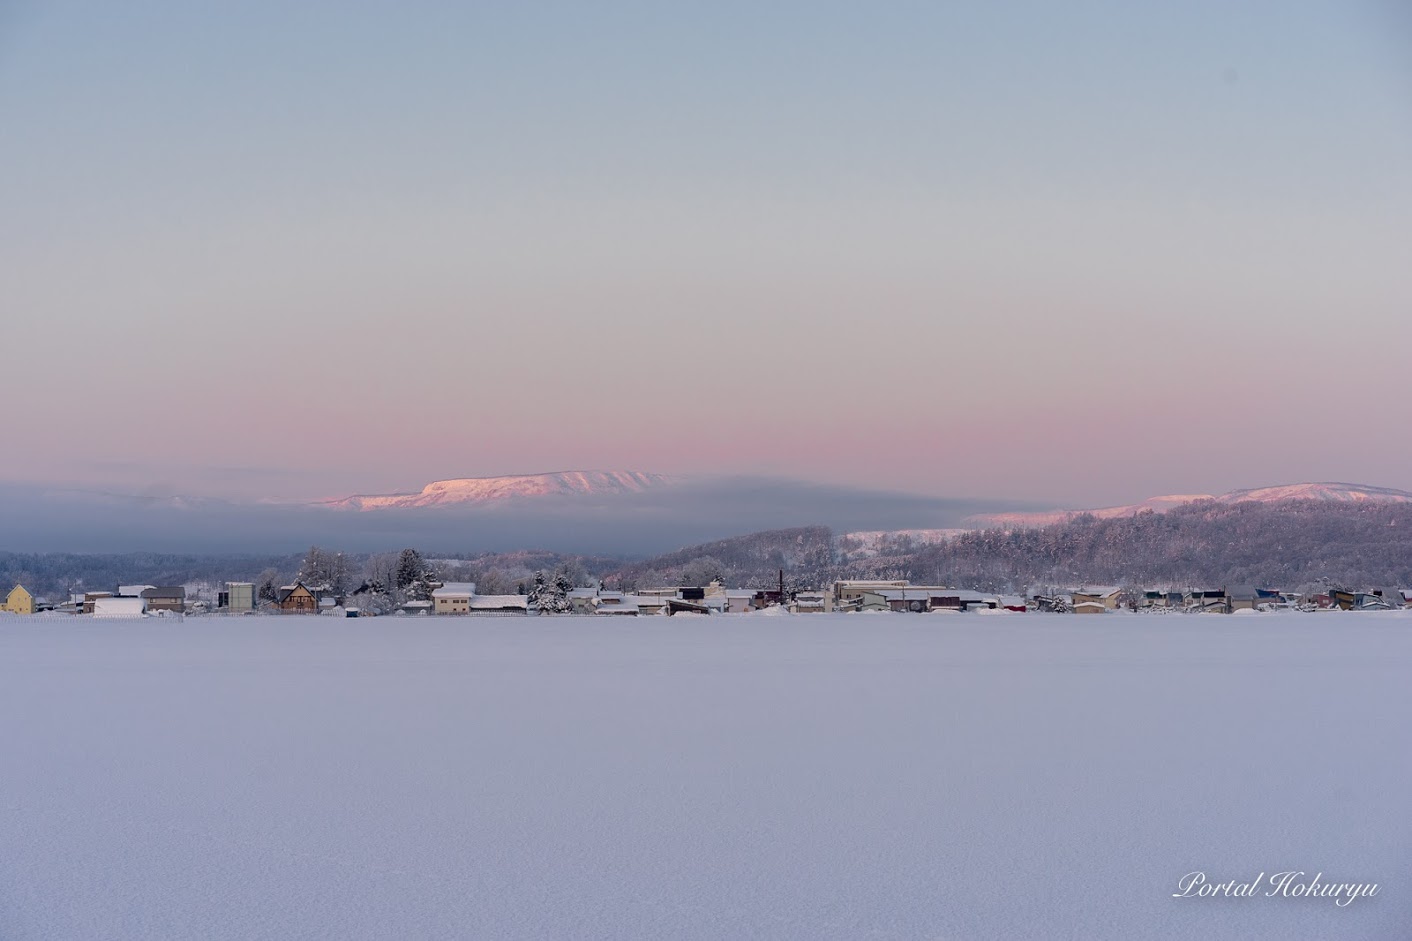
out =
column 1081, row 258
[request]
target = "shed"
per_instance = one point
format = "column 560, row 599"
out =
column 119, row 607
column 499, row 605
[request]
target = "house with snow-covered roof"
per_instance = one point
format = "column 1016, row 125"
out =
column 1245, row 598
column 915, row 600
column 583, row 600
column 296, row 599
column 1371, row 601
column 617, row 604
column 1013, row 603
column 91, row 598
column 811, row 602
column 111, row 607
column 1156, row 598
column 740, row 600
column 18, row 601
column 1209, row 600
column 1106, row 595
column 165, row 598
column 685, row 606
column 499, row 605
column 453, row 598
column 849, row 592
column 960, row 599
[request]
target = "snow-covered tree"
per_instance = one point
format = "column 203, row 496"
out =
column 550, row 595
column 413, row 576
column 702, row 571
column 494, row 582
column 325, row 570
column 267, row 585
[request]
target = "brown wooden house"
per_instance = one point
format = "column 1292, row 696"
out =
column 165, row 598
column 296, row 599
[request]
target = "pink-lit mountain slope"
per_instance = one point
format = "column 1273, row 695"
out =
column 486, row 490
column 1330, row 492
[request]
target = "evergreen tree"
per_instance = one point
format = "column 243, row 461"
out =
column 268, row 585
column 410, row 568
column 551, row 596
column 414, row 576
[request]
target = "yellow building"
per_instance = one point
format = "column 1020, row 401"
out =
column 19, row 601
column 453, row 598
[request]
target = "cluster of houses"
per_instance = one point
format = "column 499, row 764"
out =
column 1220, row 600
column 127, row 601
column 461, row 599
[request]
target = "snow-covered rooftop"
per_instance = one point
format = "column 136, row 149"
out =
column 119, row 607
column 491, row 602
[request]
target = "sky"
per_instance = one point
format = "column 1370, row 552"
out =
column 1081, row 253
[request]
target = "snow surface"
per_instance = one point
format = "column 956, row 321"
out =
column 809, row 777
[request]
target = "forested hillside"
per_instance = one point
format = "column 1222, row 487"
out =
column 1291, row 544
column 1298, row 543
column 806, row 554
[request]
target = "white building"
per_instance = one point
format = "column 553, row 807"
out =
column 453, row 598
column 119, row 607
column 503, row 605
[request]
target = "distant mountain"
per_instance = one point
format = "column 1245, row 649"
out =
column 1327, row 492
column 1330, row 492
column 478, row 491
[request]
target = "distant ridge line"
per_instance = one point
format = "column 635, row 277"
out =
column 454, row 491
column 1324, row 491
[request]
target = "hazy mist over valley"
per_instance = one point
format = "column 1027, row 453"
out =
column 43, row 519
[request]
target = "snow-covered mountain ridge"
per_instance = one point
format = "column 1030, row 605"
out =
column 1330, row 492
column 484, row 490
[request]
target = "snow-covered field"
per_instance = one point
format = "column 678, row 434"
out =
column 821, row 777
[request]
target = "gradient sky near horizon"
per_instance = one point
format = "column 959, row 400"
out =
column 1082, row 252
